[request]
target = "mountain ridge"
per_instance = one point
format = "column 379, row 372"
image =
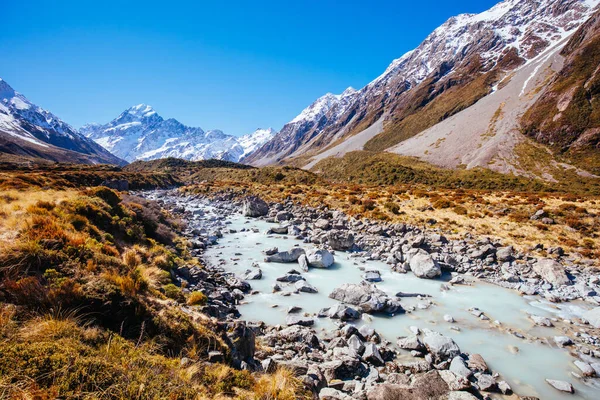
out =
column 30, row 131
column 140, row 133
column 467, row 58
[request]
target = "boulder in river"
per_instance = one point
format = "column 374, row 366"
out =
column 252, row 274
column 253, row 206
column 305, row 287
column 286, row 256
column 372, row 276
column 424, row 266
column 367, row 297
column 320, row 258
column 551, row 271
column 561, row 385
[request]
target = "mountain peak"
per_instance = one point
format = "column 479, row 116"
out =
column 141, row 110
column 6, row 91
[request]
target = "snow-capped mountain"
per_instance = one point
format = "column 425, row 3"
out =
column 471, row 53
column 29, row 130
column 139, row 133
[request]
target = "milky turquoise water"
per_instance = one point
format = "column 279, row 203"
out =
column 525, row 369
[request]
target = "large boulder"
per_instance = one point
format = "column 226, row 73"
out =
column 253, row 206
column 551, row 271
column 340, row 240
column 367, row 297
column 423, row 265
column 593, row 317
column 440, row 346
column 286, row 256
column 320, row 258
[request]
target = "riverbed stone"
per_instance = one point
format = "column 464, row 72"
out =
column 459, row 367
column 411, row 342
column 477, row 363
column 561, row 385
column 254, row 207
column 424, row 266
column 320, row 258
column 253, row 274
column 551, row 271
column 299, row 320
column 372, row 355
column 290, row 256
column 341, row 240
column 440, row 346
column 585, row 368
column 303, row 262
column 305, row 287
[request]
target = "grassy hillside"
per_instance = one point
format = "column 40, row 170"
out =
column 88, row 308
column 374, row 168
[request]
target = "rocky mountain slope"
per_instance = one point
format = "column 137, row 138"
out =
column 27, row 130
column 139, row 133
column 468, row 58
column 567, row 115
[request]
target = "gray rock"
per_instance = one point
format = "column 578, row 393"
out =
column 563, row 341
column 271, row 251
column 411, row 342
column 424, row 266
column 561, row 385
column 372, row 276
column 372, row 356
column 459, row 367
column 290, row 278
column 504, row 254
column 254, row 207
column 504, row 387
column 343, row 312
column 286, row 256
column 356, row 346
column 477, row 363
column 320, row 258
column 341, row 240
column 305, row 287
column 486, row 382
column 298, row 320
column 441, row 347
column 541, row 321
column 585, row 368
column 303, row 262
column 332, row 394
column 252, row 274
column 551, row 271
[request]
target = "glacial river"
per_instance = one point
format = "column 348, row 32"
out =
column 523, row 363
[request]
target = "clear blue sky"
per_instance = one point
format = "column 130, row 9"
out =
column 229, row 65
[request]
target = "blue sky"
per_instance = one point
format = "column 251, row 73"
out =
column 229, row 65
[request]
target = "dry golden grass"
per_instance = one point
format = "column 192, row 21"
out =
column 499, row 214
